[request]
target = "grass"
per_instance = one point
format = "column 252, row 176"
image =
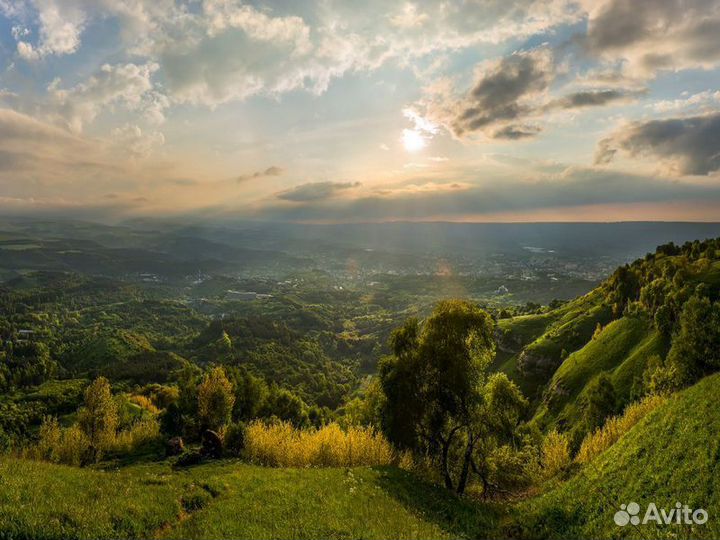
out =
column 544, row 337
column 45, row 501
column 282, row 445
column 524, row 329
column 227, row 499
column 331, row 503
column 672, row 455
column 632, row 368
column 621, row 340
column 603, row 353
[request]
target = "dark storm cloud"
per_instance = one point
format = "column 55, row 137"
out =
column 315, row 191
column 690, row 145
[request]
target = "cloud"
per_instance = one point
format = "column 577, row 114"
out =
column 510, row 96
column 409, row 16
column 41, row 161
column 136, row 141
column 707, row 100
column 516, row 132
column 315, row 191
column 214, row 51
column 502, row 94
column 687, row 145
column 60, row 23
column 652, row 36
column 270, row 171
column 128, row 85
column 578, row 100
column 574, row 187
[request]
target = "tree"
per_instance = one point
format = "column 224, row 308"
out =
column 600, row 402
column 285, row 405
column 695, row 349
column 215, row 399
column 664, row 320
column 438, row 398
column 659, row 378
column 251, row 393
column 98, row 417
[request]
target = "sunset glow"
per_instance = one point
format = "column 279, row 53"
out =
column 307, row 111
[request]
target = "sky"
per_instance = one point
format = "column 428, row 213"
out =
column 346, row 111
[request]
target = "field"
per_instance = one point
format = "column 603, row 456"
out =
column 228, row 500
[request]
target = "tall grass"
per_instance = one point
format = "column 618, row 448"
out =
column 282, row 445
column 71, row 446
column 604, row 437
column 145, row 403
column 140, row 433
column 61, row 445
column 555, row 454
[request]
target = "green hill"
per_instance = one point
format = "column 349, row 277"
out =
column 554, row 355
column 625, row 343
column 671, row 456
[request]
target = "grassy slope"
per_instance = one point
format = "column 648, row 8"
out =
column 672, row 455
column 227, row 500
column 546, row 335
column 632, row 368
column 623, row 340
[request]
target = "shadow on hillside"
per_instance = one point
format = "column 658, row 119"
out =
column 459, row 517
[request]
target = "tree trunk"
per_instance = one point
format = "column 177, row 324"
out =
column 445, row 466
column 462, row 483
column 483, row 478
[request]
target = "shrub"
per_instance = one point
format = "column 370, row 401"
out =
column 598, row 402
column 144, row 431
column 99, row 416
column 659, row 378
column 145, row 403
column 555, row 454
column 282, row 445
column 212, row 444
column 603, row 438
column 74, row 448
column 234, row 439
column 215, row 399
column 69, row 446
column 510, row 470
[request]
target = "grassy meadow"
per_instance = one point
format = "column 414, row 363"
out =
column 228, row 499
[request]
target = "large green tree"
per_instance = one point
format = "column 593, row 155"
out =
column 438, row 397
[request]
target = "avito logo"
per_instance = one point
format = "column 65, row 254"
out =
column 629, row 514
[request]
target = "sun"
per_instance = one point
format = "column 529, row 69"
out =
column 413, row 140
